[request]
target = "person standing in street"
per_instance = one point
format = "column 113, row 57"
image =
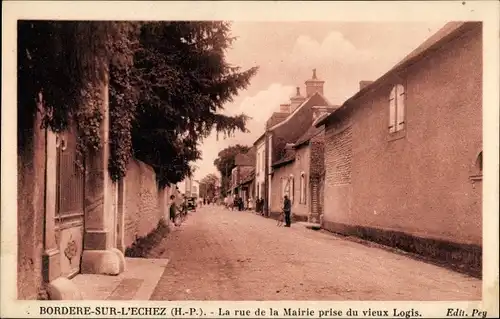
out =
column 287, row 209
column 172, row 208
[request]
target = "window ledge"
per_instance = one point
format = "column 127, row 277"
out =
column 396, row 135
column 476, row 178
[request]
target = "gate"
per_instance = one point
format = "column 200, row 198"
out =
column 69, row 215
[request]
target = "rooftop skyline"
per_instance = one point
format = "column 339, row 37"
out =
column 343, row 54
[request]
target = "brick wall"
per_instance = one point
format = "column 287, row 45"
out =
column 338, row 157
column 419, row 183
column 142, row 211
column 317, row 145
column 317, row 166
column 289, row 132
column 30, row 212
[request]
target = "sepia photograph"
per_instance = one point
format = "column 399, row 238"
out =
column 236, row 160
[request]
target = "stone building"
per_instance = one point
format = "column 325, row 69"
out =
column 247, row 185
column 298, row 174
column 73, row 219
column 403, row 156
column 245, row 164
column 287, row 126
column 260, row 166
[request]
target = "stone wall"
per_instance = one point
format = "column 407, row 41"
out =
column 30, row 211
column 144, row 204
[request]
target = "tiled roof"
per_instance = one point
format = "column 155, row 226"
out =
column 276, row 118
column 248, row 177
column 432, row 42
column 287, row 158
column 291, row 115
column 311, row 132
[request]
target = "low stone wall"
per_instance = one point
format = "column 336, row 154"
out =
column 144, row 204
column 460, row 257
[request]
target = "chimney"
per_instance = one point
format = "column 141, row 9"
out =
column 285, row 108
column 363, row 84
column 314, row 85
column 296, row 101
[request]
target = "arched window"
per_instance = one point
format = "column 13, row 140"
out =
column 397, row 109
column 302, row 188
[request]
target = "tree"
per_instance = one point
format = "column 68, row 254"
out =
column 184, row 80
column 168, row 81
column 225, row 163
column 208, row 186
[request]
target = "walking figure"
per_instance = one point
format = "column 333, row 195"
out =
column 287, row 209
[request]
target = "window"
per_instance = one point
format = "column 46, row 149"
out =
column 287, row 188
column 397, row 109
column 258, row 163
column 263, row 160
column 302, row 188
column 270, row 148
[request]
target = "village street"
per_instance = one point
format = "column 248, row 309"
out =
column 219, row 254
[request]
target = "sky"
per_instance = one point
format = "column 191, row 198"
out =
column 286, row 52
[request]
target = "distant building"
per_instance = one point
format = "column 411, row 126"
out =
column 403, row 156
column 299, row 173
column 245, row 165
column 287, row 126
column 260, row 166
column 195, row 189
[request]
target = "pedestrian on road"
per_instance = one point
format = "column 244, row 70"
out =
column 235, row 203
column 250, row 204
column 287, row 209
column 173, row 208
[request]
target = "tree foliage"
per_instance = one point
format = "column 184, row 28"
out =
column 184, row 81
column 168, row 82
column 225, row 163
column 60, row 66
column 208, row 186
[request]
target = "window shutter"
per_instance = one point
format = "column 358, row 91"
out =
column 305, row 189
column 400, row 104
column 292, row 189
column 301, row 189
column 392, row 111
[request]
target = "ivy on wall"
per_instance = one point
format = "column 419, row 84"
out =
column 167, row 82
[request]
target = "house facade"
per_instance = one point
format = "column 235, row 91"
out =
column 247, row 186
column 299, row 174
column 300, row 115
column 245, row 164
column 403, row 156
column 260, row 166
